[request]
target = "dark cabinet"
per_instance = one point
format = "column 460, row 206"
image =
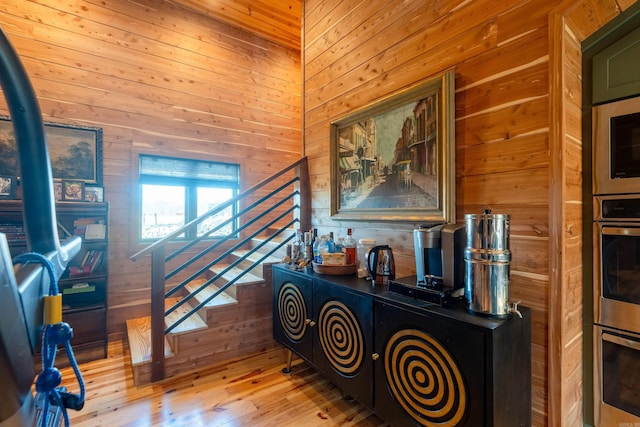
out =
column 414, row 362
column 84, row 283
column 436, row 369
column 329, row 327
column 615, row 71
column 292, row 302
column 343, row 339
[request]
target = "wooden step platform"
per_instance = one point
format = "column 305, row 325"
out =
column 247, row 277
column 139, row 338
column 221, row 300
column 139, row 332
column 255, row 256
column 237, row 321
column 192, row 323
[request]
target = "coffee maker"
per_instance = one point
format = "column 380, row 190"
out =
column 439, row 252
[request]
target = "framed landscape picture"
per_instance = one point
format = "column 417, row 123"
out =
column 75, row 151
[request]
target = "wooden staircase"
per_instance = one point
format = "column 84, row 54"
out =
column 237, row 322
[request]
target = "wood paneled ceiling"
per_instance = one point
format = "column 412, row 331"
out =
column 275, row 20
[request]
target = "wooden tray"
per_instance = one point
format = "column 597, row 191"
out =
column 334, row 270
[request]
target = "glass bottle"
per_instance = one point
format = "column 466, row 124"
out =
column 338, row 245
column 349, row 247
column 323, row 248
column 297, row 247
column 316, row 243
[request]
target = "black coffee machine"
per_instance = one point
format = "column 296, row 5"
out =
column 439, row 252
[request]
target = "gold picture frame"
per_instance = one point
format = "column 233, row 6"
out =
column 394, row 160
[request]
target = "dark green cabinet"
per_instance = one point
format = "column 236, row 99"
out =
column 616, row 70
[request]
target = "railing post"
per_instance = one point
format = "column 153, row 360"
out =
column 304, row 198
column 157, row 314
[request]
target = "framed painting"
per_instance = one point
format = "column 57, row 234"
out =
column 93, row 193
column 75, row 151
column 72, row 190
column 57, row 190
column 394, row 160
column 7, row 187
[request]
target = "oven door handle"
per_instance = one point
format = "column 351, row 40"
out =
column 616, row 339
column 619, row 231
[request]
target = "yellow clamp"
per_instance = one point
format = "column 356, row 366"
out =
column 53, row 309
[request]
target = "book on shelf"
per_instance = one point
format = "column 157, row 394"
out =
column 78, row 288
column 91, row 261
column 13, row 231
column 95, row 232
column 82, row 225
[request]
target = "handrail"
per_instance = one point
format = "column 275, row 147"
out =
column 220, row 242
column 222, row 288
column 225, row 222
column 267, row 204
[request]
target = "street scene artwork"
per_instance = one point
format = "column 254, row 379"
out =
column 390, row 160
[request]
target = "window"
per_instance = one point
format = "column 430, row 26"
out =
column 175, row 191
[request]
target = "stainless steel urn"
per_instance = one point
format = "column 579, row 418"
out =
column 487, row 258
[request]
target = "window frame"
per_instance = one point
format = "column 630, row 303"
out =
column 191, row 186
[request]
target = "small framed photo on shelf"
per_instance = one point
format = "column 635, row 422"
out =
column 8, row 187
column 72, row 190
column 57, row 190
column 93, row 193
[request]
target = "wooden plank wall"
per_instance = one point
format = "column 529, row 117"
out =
column 507, row 157
column 158, row 79
column 571, row 23
column 275, row 20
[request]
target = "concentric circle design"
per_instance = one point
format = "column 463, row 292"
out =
column 293, row 311
column 425, row 379
column 341, row 337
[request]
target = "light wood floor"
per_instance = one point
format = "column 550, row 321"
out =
column 245, row 392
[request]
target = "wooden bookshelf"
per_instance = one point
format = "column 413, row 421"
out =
column 84, row 283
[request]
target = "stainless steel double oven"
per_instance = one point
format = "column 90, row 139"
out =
column 617, row 310
column 616, row 277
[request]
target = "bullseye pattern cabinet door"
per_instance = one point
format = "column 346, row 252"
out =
column 343, row 339
column 292, row 310
column 429, row 371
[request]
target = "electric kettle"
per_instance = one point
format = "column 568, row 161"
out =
column 381, row 265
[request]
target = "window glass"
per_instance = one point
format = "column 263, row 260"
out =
column 208, row 199
column 174, row 192
column 163, row 210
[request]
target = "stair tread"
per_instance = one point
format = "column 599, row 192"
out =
column 139, row 338
column 271, row 259
column 270, row 242
column 192, row 323
column 222, row 299
column 247, row 278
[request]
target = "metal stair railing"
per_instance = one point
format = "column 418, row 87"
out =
column 288, row 204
